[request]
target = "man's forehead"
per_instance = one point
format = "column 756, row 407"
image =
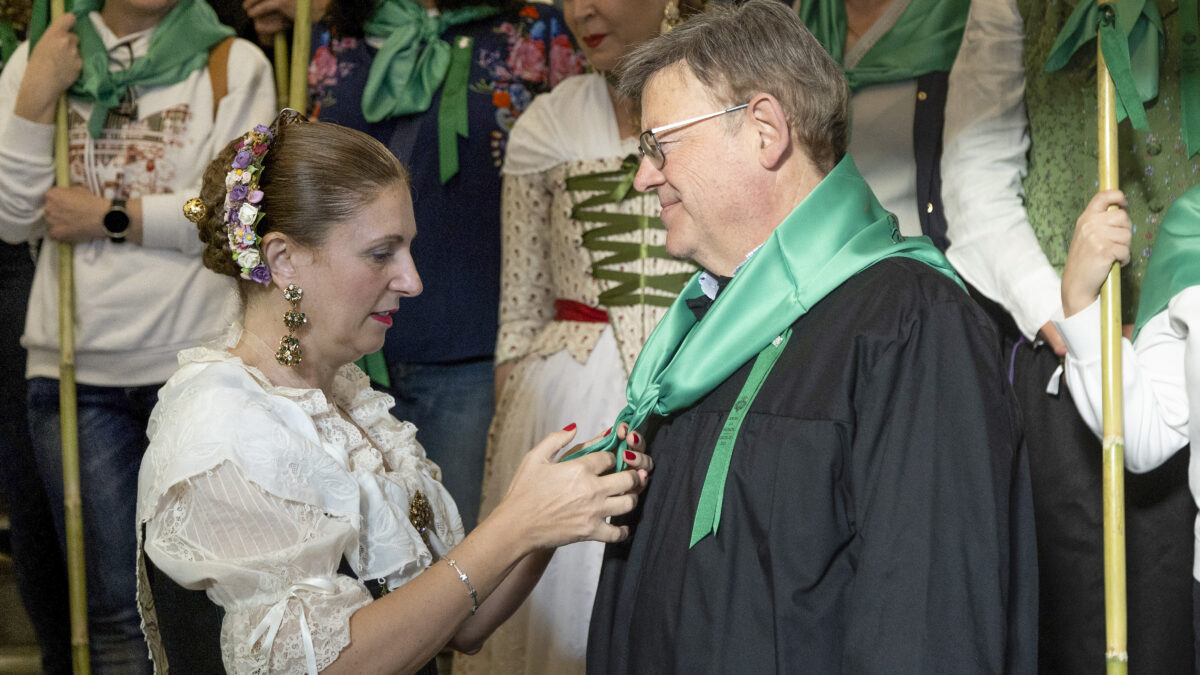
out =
column 667, row 91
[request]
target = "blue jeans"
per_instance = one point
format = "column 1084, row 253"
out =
column 38, row 565
column 452, row 406
column 112, row 438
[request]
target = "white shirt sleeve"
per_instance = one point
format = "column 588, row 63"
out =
column 985, row 137
column 269, row 562
column 1154, row 380
column 26, row 160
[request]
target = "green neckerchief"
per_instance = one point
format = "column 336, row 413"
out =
column 375, row 366
column 8, row 42
column 838, row 230
column 412, row 63
column 631, row 287
column 1133, row 41
column 178, row 47
column 924, row 39
column 1175, row 263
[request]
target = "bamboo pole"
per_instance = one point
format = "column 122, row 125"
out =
column 72, row 503
column 301, row 34
column 281, row 70
column 1116, row 653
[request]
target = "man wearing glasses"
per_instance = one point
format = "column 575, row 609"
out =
column 840, row 480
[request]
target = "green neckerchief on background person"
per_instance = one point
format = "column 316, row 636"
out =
column 178, row 47
column 1133, row 40
column 375, row 366
column 1175, row 263
column 838, row 230
column 924, row 39
column 412, row 64
column 631, row 287
column 8, row 42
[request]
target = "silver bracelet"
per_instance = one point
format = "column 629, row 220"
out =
column 470, row 589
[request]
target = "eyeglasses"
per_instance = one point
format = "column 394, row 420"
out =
column 648, row 142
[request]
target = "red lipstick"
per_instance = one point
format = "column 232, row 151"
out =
column 384, row 318
column 594, row 40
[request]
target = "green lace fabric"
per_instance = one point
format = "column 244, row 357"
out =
column 1154, row 166
column 611, row 250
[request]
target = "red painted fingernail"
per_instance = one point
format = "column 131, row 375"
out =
column 607, row 432
column 629, row 456
column 634, row 436
column 569, row 427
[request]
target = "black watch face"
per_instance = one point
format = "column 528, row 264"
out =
column 116, row 222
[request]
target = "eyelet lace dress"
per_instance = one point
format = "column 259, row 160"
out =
column 255, row 493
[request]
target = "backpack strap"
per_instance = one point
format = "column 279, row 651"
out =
column 218, row 71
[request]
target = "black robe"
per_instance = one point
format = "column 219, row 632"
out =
column 877, row 514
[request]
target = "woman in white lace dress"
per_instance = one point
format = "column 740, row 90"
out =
column 584, row 281
column 277, row 482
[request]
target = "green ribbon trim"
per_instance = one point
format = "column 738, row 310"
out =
column 630, row 289
column 452, row 111
column 924, row 39
column 1116, row 57
column 8, row 42
column 1132, row 39
column 413, row 61
column 1175, row 263
column 375, row 366
column 837, row 231
column 178, row 47
column 712, row 494
column 40, row 19
column 1189, row 76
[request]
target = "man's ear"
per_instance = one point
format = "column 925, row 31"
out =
column 771, row 126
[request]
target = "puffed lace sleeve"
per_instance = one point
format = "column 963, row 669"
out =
column 268, row 562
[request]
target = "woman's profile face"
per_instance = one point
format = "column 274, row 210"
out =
column 607, row 30
column 354, row 282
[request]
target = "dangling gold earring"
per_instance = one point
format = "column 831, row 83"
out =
column 670, row 17
column 289, row 347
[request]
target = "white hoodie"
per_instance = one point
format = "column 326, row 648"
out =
column 136, row 306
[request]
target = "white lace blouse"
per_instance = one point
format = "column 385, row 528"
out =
column 254, row 493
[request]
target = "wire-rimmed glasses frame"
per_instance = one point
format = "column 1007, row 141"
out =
column 648, row 143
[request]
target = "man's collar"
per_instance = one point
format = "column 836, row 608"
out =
column 712, row 285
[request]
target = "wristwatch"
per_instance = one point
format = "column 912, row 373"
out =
column 116, row 221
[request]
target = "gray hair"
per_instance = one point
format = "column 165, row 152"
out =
column 738, row 51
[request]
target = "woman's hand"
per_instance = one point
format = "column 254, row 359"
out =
column 1101, row 238
column 556, row 503
column 53, row 65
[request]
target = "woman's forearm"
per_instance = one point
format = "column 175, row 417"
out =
column 406, row 628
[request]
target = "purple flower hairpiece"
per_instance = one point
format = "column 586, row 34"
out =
column 242, row 204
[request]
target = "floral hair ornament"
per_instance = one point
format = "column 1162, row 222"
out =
column 243, row 198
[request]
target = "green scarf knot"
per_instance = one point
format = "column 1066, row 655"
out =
column 924, row 39
column 413, row 61
column 178, row 47
column 837, row 231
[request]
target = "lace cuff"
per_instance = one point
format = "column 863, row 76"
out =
column 301, row 632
